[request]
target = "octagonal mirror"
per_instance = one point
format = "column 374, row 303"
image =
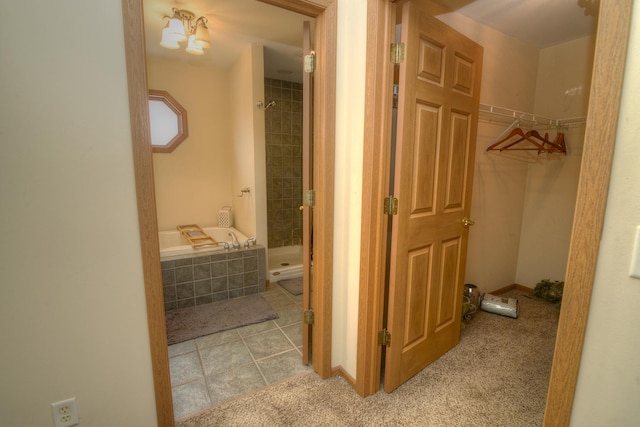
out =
column 168, row 121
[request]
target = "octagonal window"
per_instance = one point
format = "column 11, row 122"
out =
column 168, row 121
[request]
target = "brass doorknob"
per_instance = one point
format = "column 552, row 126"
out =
column 466, row 222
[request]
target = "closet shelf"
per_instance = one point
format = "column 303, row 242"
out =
column 532, row 140
column 530, row 118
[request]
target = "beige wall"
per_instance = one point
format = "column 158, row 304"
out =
column 350, row 71
column 72, row 310
column 66, row 165
column 608, row 389
column 246, row 83
column 225, row 148
column 508, row 80
column 562, row 91
column 193, row 182
column 523, row 204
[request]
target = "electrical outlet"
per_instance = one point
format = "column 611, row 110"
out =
column 65, row 413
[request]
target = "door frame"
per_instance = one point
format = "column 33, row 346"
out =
column 604, row 104
column 325, row 14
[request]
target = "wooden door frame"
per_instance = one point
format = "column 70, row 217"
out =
column 604, row 104
column 325, row 14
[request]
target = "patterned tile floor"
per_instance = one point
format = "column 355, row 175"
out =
column 218, row 367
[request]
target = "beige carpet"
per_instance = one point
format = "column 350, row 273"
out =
column 496, row 376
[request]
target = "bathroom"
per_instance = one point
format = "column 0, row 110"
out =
column 255, row 169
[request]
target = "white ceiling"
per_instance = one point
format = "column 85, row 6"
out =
column 540, row 23
column 234, row 23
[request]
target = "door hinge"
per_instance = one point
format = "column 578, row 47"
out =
column 390, row 205
column 310, row 62
column 309, row 198
column 397, row 53
column 384, row 338
column 307, row 317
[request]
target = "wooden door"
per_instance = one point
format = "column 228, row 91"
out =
column 438, row 101
column 307, row 184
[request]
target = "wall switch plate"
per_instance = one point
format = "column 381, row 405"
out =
column 65, row 413
column 635, row 257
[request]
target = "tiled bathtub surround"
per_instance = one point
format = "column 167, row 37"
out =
column 219, row 276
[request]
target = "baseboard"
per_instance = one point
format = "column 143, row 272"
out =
column 338, row 370
column 510, row 288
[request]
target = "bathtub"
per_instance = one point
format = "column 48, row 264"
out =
column 174, row 244
column 284, row 263
column 208, row 274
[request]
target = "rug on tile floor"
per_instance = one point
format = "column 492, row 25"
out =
column 192, row 322
column 294, row 286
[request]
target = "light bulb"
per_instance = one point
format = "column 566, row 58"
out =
column 202, row 35
column 176, row 28
column 193, row 48
column 169, row 40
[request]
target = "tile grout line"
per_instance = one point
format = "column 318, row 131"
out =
column 287, row 294
column 242, row 338
column 264, row 378
column 204, row 374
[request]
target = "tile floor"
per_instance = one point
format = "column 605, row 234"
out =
column 218, row 367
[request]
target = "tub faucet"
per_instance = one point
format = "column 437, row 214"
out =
column 249, row 242
column 234, row 240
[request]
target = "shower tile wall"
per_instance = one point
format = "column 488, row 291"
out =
column 283, row 126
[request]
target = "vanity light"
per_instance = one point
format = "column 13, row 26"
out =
column 180, row 28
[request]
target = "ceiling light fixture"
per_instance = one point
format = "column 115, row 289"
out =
column 183, row 26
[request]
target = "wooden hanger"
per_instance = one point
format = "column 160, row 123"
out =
column 545, row 145
column 558, row 145
column 534, row 134
column 523, row 137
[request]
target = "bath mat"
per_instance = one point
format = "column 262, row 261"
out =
column 294, row 286
column 188, row 323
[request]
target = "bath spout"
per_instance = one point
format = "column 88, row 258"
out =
column 234, row 240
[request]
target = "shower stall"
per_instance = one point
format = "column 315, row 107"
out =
column 283, row 137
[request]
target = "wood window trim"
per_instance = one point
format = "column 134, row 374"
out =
column 181, row 118
column 604, row 105
column 325, row 12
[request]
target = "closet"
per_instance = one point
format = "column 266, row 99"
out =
column 526, row 172
column 514, row 137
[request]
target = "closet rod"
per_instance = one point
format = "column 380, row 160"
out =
column 529, row 117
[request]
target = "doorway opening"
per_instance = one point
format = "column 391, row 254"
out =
column 378, row 142
column 245, row 103
column 326, row 14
